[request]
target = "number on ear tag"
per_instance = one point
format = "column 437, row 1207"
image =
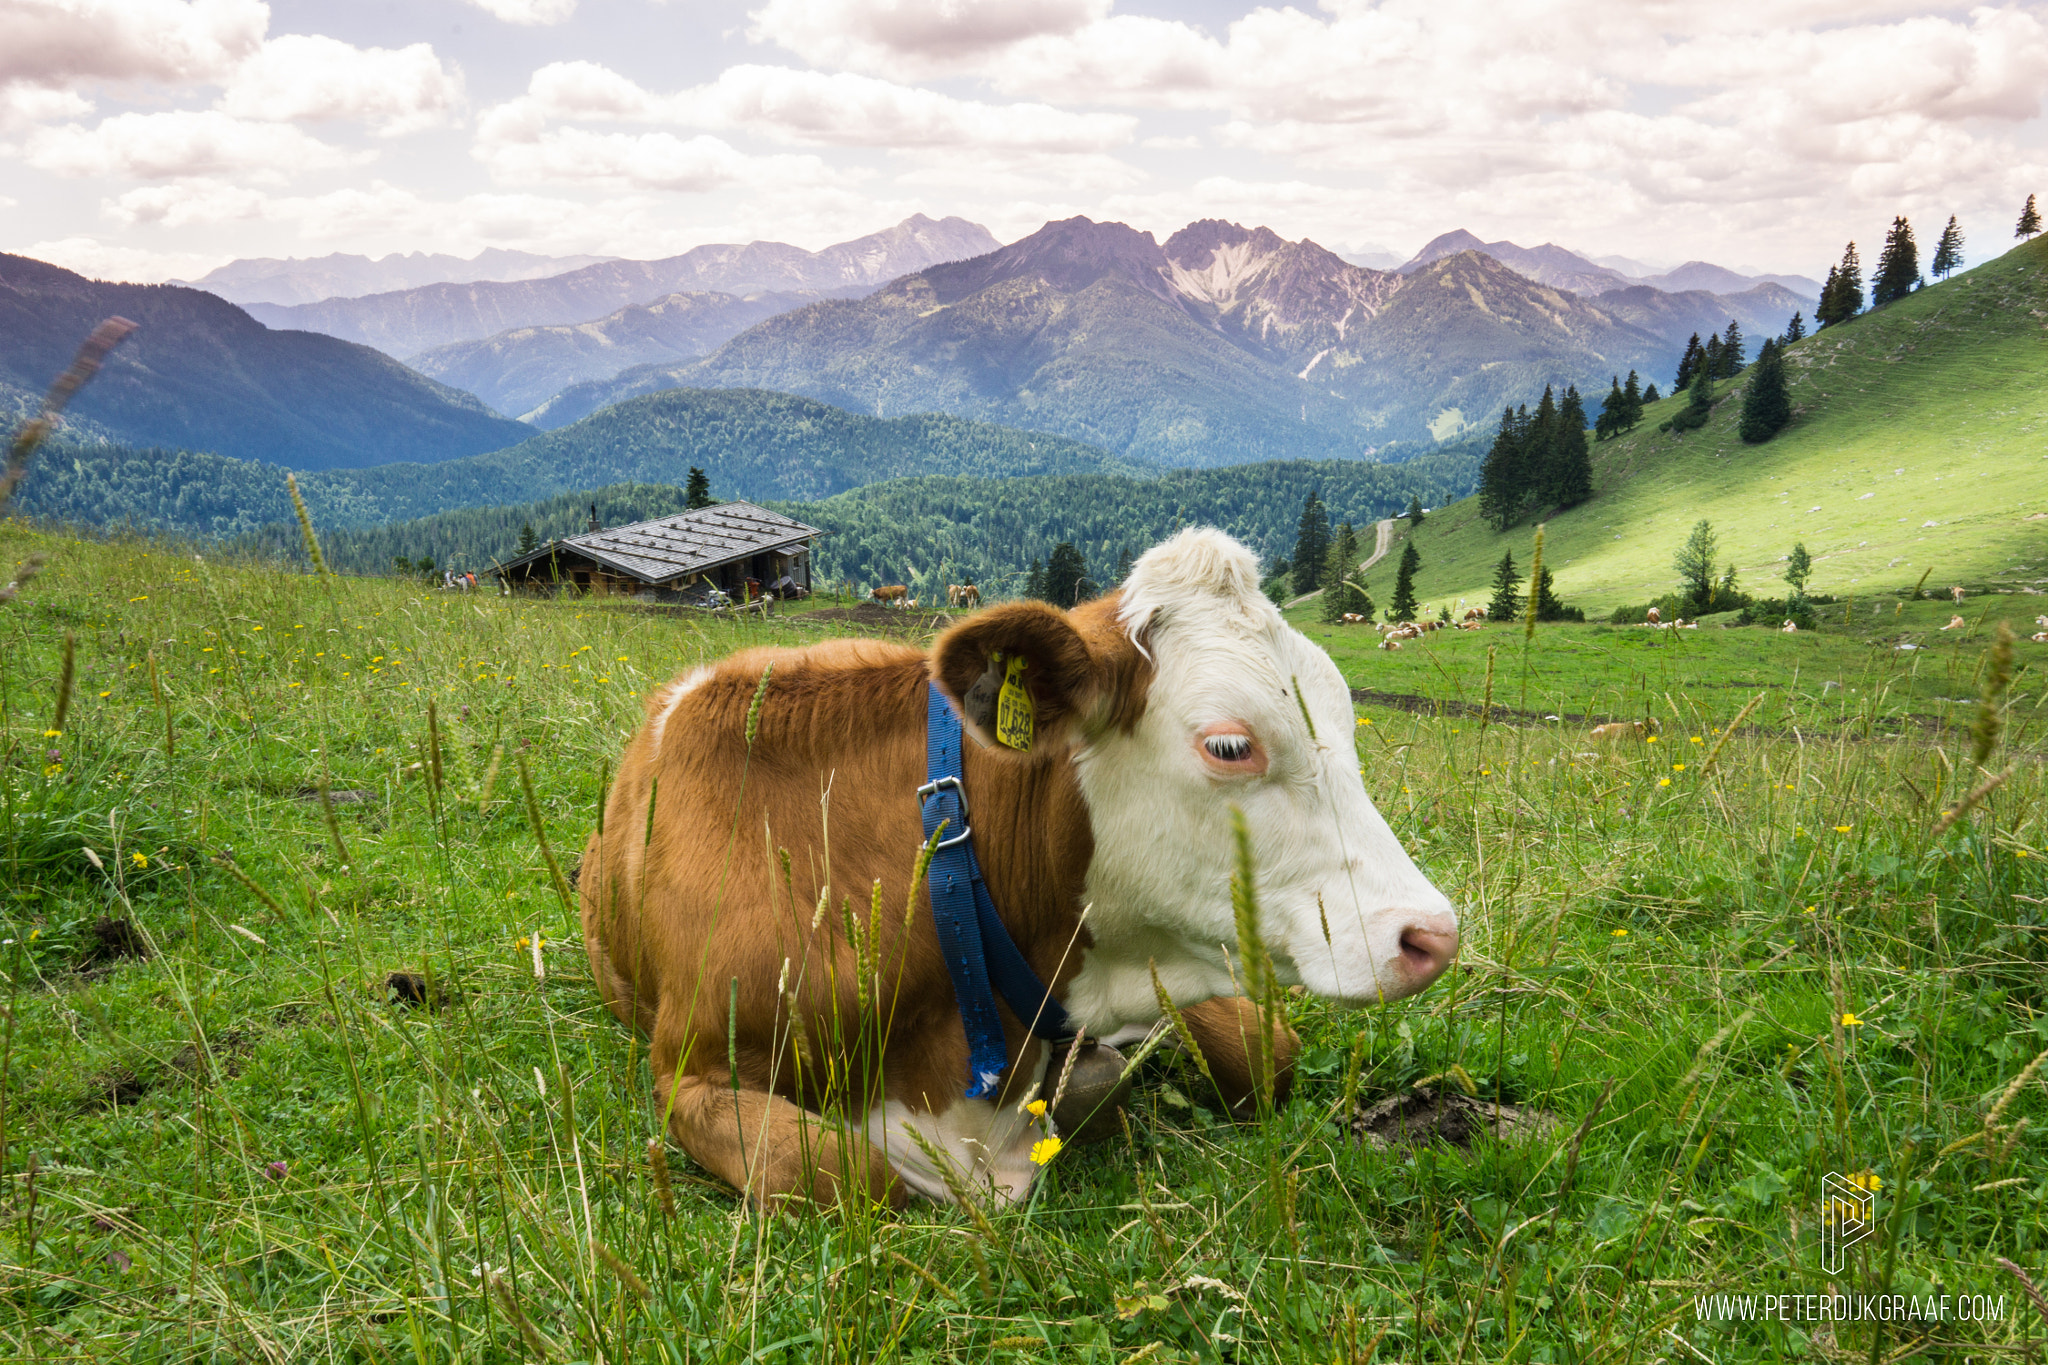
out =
column 1015, row 721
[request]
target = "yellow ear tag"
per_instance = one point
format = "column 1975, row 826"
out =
column 1015, row 720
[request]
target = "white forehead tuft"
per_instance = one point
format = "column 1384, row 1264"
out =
column 1200, row 570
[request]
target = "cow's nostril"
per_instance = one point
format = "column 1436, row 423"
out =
column 1428, row 951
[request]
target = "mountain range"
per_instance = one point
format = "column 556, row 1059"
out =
column 1221, row 345
column 201, row 373
column 1555, row 265
column 405, row 322
column 266, row 279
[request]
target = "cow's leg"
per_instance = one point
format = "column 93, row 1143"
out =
column 1227, row 1031
column 771, row 1148
column 631, row 1005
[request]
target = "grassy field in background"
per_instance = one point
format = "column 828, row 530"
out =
column 1933, row 410
column 1724, row 964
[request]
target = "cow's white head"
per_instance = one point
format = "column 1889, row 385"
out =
column 1184, row 696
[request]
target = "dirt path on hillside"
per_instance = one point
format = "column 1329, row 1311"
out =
column 1384, row 543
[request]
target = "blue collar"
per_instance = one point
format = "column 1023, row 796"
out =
column 979, row 950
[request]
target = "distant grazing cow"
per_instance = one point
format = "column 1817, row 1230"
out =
column 1957, row 593
column 1790, row 627
column 1623, row 729
column 2040, row 637
column 1352, row 618
column 1192, row 701
column 1471, row 625
column 1390, row 643
column 1954, row 623
column 1476, row 614
column 1653, row 618
column 890, row 595
column 962, row 595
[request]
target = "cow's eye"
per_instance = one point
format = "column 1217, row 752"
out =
column 1229, row 748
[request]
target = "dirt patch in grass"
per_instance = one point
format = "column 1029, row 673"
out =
column 1427, row 1114
column 876, row 615
column 113, row 940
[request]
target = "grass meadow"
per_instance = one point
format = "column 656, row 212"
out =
column 1724, row 964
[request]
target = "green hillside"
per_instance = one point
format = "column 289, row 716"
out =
column 986, row 529
column 1919, row 442
column 753, row 445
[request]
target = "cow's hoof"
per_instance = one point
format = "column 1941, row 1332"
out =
column 1095, row 1091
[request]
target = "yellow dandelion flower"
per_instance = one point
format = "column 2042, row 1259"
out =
column 1044, row 1150
column 140, row 859
column 1036, row 1109
column 1850, row 1021
column 52, row 734
column 1663, row 781
column 1843, row 829
column 106, row 694
column 1621, row 933
column 1697, row 740
column 522, row 941
column 1810, row 909
column 1867, row 1180
column 1649, row 739
column 1678, row 767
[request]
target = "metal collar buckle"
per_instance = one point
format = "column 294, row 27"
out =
column 931, row 789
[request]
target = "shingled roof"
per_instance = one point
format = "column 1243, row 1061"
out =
column 675, row 547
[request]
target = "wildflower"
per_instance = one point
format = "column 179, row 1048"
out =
column 1697, row 740
column 141, row 860
column 1663, row 781
column 1850, row 1021
column 1843, row 829
column 106, row 694
column 1036, row 1109
column 1044, row 1150
column 1678, row 767
column 276, row 1170
column 1649, row 739
column 1620, row 933
column 53, row 769
column 521, row 944
column 1867, row 1180
column 1810, row 909
column 52, row 734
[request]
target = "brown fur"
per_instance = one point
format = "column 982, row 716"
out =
column 894, row 592
column 690, row 910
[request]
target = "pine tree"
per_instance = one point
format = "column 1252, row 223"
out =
column 1499, row 474
column 1311, row 544
column 1842, row 297
column 1572, row 463
column 1609, row 424
column 1404, row 604
column 1948, row 252
column 1688, row 364
column 528, row 540
column 1123, row 564
column 1732, row 346
column 1795, row 329
column 1710, row 365
column 1633, row 400
column 1766, row 406
column 1694, row 564
column 1650, row 395
column 1066, row 576
column 1699, row 402
column 1539, row 452
column 1414, row 512
column 1338, row 594
column 697, row 491
column 1507, row 589
column 1549, row 607
column 1034, row 581
column 1898, row 265
column 2030, row 220
column 1830, row 289
column 1798, row 568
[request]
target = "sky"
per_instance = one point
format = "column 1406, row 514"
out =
column 155, row 139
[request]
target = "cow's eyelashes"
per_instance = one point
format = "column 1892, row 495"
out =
column 1229, row 748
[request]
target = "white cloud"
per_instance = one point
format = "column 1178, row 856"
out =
column 308, row 77
column 53, row 43
column 646, row 161
column 180, row 144
column 23, row 106
column 103, row 261
column 528, row 11
column 899, row 35
column 806, row 107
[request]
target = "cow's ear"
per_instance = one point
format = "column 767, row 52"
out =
column 1020, row 644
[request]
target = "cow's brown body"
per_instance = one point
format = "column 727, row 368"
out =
column 697, row 906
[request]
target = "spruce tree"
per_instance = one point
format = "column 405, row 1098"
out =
column 1766, row 406
column 1572, row 462
column 1795, row 329
column 697, row 490
column 1507, row 589
column 1311, row 544
column 1650, row 395
column 1831, row 288
column 1123, row 564
column 2030, row 220
column 1338, row 594
column 1414, row 512
column 1694, row 564
column 1948, row 252
column 1688, row 364
column 1066, row 576
column 1609, row 424
column 1404, row 604
column 1633, row 400
column 1732, row 346
column 528, row 541
column 1842, row 299
column 1034, row 581
column 1798, row 568
column 1549, row 607
column 1499, row 490
column 1699, row 405
column 1710, row 365
column 1898, row 265
column 1539, row 452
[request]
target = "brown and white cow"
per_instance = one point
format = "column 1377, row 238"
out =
column 890, row 594
column 1160, row 709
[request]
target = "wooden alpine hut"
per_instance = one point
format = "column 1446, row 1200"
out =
column 738, row 548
